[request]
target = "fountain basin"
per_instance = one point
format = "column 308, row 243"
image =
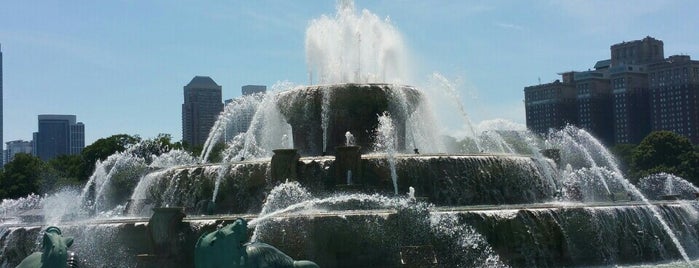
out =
column 544, row 234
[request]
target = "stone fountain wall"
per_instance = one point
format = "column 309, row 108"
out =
column 443, row 180
column 543, row 237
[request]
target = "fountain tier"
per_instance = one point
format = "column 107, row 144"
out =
column 327, row 112
column 452, row 180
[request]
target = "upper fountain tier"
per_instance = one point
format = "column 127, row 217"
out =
column 321, row 115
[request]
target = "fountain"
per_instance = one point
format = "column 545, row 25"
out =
column 353, row 172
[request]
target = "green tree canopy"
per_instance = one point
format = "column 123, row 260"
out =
column 67, row 169
column 665, row 151
column 22, row 176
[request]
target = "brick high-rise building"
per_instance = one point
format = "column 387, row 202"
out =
column 594, row 102
column 550, row 105
column 674, row 96
column 630, row 105
column 625, row 97
column 638, row 52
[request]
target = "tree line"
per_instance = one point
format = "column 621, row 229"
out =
column 27, row 174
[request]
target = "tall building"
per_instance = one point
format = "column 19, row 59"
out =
column 2, row 100
column 58, row 135
column 594, row 102
column 202, row 105
column 638, row 52
column 638, row 90
column 550, row 105
column 630, row 103
column 77, row 138
column 15, row 147
column 674, row 90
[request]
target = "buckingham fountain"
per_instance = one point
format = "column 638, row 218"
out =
column 354, row 172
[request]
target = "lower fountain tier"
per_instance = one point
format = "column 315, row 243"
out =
column 452, row 180
column 543, row 235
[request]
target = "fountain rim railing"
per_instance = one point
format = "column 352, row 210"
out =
column 382, row 211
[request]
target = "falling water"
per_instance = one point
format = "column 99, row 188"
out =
column 574, row 151
column 519, row 140
column 661, row 220
column 234, row 119
column 266, row 127
column 266, row 131
column 325, row 116
column 669, row 187
column 423, row 131
column 492, row 141
column 386, row 142
column 600, row 164
column 441, row 86
column 656, row 185
column 466, row 247
column 125, row 167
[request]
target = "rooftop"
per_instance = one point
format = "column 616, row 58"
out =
column 202, row 81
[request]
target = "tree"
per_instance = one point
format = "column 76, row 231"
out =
column 68, row 169
column 665, row 151
column 22, row 176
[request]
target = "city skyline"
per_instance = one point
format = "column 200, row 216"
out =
column 107, row 62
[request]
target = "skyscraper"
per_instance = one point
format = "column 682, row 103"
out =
column 203, row 103
column 15, row 147
column 58, row 135
column 1, row 108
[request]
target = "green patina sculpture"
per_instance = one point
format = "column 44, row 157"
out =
column 54, row 251
column 227, row 248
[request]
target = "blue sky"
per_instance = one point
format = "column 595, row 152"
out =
column 120, row 65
